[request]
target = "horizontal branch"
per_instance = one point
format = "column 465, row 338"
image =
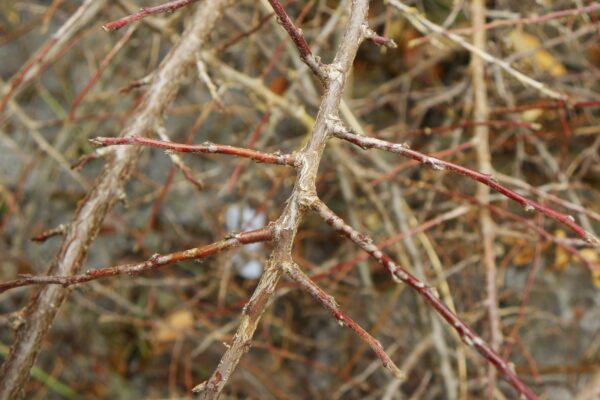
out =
column 206, row 147
column 156, row 261
column 331, row 305
column 168, row 7
column 340, row 131
column 429, row 294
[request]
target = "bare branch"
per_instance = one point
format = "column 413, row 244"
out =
column 206, row 147
column 428, row 293
column 329, row 303
column 168, row 7
column 155, row 262
column 298, row 38
column 286, row 227
column 340, row 131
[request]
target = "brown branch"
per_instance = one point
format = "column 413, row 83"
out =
column 156, row 261
column 107, row 190
column 286, row 227
column 428, row 293
column 168, row 7
column 342, row 132
column 206, row 147
column 329, row 303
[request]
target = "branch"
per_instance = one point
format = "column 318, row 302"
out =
column 482, row 148
column 329, row 303
column 286, row 227
column 107, row 190
column 342, row 132
column 428, row 293
column 297, row 37
column 206, row 147
column 156, row 261
column 168, row 7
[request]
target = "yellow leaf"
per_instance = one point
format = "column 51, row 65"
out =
column 542, row 59
column 175, row 325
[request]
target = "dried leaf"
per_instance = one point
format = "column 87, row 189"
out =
column 175, row 325
column 542, row 59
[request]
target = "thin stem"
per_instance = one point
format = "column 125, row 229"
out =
column 298, row 38
column 168, row 7
column 206, row 147
column 156, row 261
column 482, row 148
column 342, row 132
column 329, row 303
column 428, row 293
column 103, row 64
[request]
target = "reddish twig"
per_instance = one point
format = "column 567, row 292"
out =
column 365, row 142
column 42, row 237
column 298, row 38
column 428, row 293
column 103, row 64
column 206, row 147
column 378, row 39
column 168, row 7
column 331, row 305
column 156, row 261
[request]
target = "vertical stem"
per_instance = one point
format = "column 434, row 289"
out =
column 285, row 228
column 482, row 147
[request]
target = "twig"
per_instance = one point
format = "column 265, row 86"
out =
column 378, row 39
column 206, row 147
column 422, row 23
column 329, row 303
column 42, row 237
column 103, row 64
column 340, row 131
column 428, row 293
column 156, row 261
column 168, row 7
column 298, row 38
